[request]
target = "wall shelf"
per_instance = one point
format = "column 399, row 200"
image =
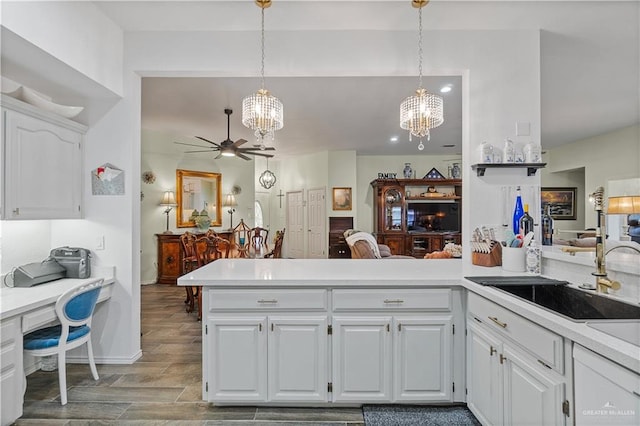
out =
column 531, row 167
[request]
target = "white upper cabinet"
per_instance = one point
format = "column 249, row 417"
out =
column 42, row 157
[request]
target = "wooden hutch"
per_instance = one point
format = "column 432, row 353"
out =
column 417, row 216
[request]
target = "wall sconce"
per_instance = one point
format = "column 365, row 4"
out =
column 625, row 205
column 230, row 201
column 168, row 201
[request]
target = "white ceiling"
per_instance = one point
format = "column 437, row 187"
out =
column 590, row 60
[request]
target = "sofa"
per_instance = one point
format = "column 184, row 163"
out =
column 364, row 246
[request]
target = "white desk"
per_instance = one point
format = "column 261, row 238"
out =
column 21, row 311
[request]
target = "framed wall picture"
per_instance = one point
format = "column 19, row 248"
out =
column 342, row 198
column 562, row 202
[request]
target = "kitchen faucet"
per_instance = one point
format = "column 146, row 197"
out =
column 603, row 282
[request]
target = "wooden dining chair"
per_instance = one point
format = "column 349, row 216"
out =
column 241, row 239
column 276, row 253
column 208, row 250
column 189, row 263
column 259, row 239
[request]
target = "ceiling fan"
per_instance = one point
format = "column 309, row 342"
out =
column 229, row 148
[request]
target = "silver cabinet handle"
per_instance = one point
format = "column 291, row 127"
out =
column 267, row 301
column 393, row 301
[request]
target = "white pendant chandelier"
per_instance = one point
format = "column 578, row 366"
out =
column 423, row 111
column 261, row 111
column 267, row 179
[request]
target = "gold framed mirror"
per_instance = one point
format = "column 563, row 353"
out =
column 197, row 191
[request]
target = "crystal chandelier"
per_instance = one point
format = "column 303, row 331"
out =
column 423, row 111
column 261, row 111
column 267, row 179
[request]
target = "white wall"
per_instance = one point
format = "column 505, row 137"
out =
column 77, row 33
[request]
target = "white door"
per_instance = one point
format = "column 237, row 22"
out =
column 238, row 359
column 298, row 358
column 295, row 225
column 422, row 359
column 532, row 396
column 362, row 359
column 484, row 379
column 317, row 224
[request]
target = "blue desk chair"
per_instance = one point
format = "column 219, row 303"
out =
column 75, row 311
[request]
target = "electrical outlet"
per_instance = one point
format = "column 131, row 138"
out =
column 100, row 242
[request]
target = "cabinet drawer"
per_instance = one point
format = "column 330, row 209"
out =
column 38, row 319
column 544, row 345
column 263, row 300
column 392, row 299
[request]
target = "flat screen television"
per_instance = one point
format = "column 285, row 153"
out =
column 433, row 216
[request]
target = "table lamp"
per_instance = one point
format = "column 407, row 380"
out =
column 168, row 201
column 626, row 205
column 230, row 201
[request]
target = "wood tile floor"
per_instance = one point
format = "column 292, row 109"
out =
column 162, row 388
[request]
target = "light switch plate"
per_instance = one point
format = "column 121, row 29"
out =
column 523, row 128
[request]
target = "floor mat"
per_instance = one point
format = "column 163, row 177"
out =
column 414, row 415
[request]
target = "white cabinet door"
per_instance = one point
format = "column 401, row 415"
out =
column 362, row 359
column 237, row 369
column 605, row 392
column 422, row 358
column 12, row 385
column 484, row 375
column 42, row 169
column 532, row 396
column 298, row 358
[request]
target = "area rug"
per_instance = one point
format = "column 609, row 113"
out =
column 417, row 415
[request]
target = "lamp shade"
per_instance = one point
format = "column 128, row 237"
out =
column 230, row 201
column 628, row 204
column 168, row 199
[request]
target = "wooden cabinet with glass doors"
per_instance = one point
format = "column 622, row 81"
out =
column 417, row 216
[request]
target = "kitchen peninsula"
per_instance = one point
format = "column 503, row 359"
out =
column 317, row 331
column 346, row 332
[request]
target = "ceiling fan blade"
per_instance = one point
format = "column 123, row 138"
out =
column 260, row 154
column 219, row 155
column 239, row 142
column 205, row 150
column 208, row 141
column 241, row 155
column 189, row 144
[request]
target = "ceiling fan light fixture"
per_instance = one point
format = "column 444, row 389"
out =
column 262, row 112
column 423, row 111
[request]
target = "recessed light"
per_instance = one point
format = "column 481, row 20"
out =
column 393, row 139
column 448, row 146
column 445, row 89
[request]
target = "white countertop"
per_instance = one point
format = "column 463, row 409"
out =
column 334, row 272
column 270, row 273
column 17, row 300
column 624, row 353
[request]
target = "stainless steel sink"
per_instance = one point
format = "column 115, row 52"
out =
column 627, row 330
column 558, row 297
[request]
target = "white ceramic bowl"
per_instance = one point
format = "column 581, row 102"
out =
column 34, row 98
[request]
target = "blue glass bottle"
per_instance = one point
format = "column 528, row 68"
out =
column 518, row 212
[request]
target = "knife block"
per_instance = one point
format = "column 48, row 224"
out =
column 493, row 258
